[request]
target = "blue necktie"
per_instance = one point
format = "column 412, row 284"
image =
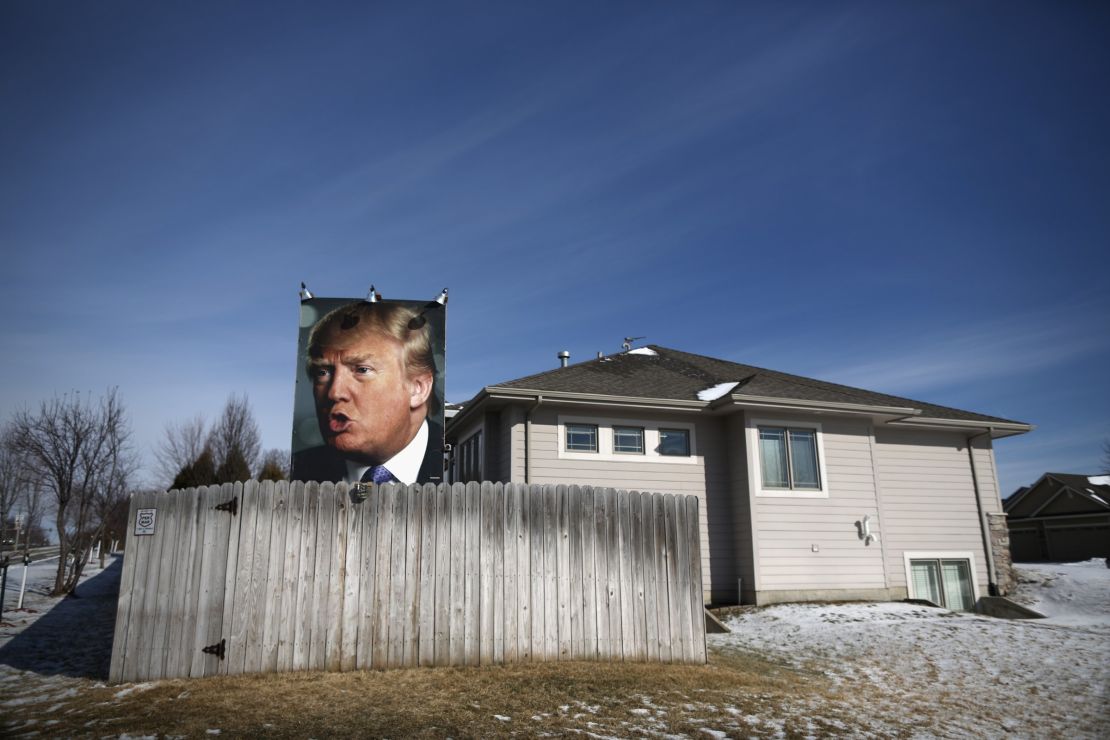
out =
column 378, row 474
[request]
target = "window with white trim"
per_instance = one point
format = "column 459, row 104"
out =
column 674, row 442
column 614, row 439
column 628, row 440
column 943, row 581
column 788, row 458
column 581, row 437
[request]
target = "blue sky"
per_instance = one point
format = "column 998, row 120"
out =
column 907, row 197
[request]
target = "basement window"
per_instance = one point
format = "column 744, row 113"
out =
column 945, row 582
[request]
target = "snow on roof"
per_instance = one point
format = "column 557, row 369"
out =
column 1099, row 480
column 643, row 351
column 712, row 394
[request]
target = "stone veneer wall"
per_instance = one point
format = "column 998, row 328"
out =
column 1000, row 548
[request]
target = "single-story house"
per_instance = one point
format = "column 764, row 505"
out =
column 808, row 490
column 1060, row 517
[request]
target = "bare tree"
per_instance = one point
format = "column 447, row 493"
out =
column 1106, row 457
column 81, row 449
column 236, row 429
column 13, row 478
column 182, row 445
column 109, row 503
column 33, row 505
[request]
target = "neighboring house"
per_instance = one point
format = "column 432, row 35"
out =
column 809, row 490
column 1060, row 517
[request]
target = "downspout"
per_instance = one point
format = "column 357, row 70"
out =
column 528, row 439
column 984, row 530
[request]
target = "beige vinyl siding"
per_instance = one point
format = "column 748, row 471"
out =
column 710, row 483
column 510, row 421
column 788, row 528
column 741, row 508
column 517, row 436
column 929, row 496
column 491, row 447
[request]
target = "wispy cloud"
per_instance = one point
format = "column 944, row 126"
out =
column 990, row 349
column 1053, row 449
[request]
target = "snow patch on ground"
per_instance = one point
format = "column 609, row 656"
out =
column 1075, row 594
column 715, row 392
column 969, row 675
column 133, row 688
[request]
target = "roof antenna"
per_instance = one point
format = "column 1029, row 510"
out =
column 627, row 344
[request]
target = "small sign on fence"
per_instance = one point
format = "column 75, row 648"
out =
column 144, row 521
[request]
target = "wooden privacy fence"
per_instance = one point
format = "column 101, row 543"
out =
column 262, row 577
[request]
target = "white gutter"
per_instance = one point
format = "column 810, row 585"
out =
column 997, row 429
column 739, row 399
column 984, row 528
column 596, row 398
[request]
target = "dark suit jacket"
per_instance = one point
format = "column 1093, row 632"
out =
column 325, row 464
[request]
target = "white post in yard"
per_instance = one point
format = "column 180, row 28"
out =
column 23, row 583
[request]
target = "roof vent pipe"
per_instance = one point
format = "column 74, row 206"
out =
column 564, row 357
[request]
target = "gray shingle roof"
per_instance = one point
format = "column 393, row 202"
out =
column 672, row 374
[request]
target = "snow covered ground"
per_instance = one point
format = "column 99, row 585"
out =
column 940, row 673
column 870, row 669
column 1067, row 593
column 54, row 649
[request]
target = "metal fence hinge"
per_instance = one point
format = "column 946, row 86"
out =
column 232, row 506
column 218, row 649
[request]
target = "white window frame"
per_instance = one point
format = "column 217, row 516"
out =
column 605, row 451
column 643, row 440
column 689, row 444
column 755, row 465
column 597, row 437
column 967, row 555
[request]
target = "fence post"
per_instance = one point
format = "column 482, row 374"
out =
column 3, row 581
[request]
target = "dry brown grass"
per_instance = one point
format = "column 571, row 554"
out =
column 736, row 692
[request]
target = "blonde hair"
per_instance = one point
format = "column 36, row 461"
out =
column 391, row 319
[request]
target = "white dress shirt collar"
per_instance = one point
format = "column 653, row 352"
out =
column 405, row 465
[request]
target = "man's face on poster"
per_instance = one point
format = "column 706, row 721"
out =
column 368, row 405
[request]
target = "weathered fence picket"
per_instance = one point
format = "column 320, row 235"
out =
column 252, row 577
